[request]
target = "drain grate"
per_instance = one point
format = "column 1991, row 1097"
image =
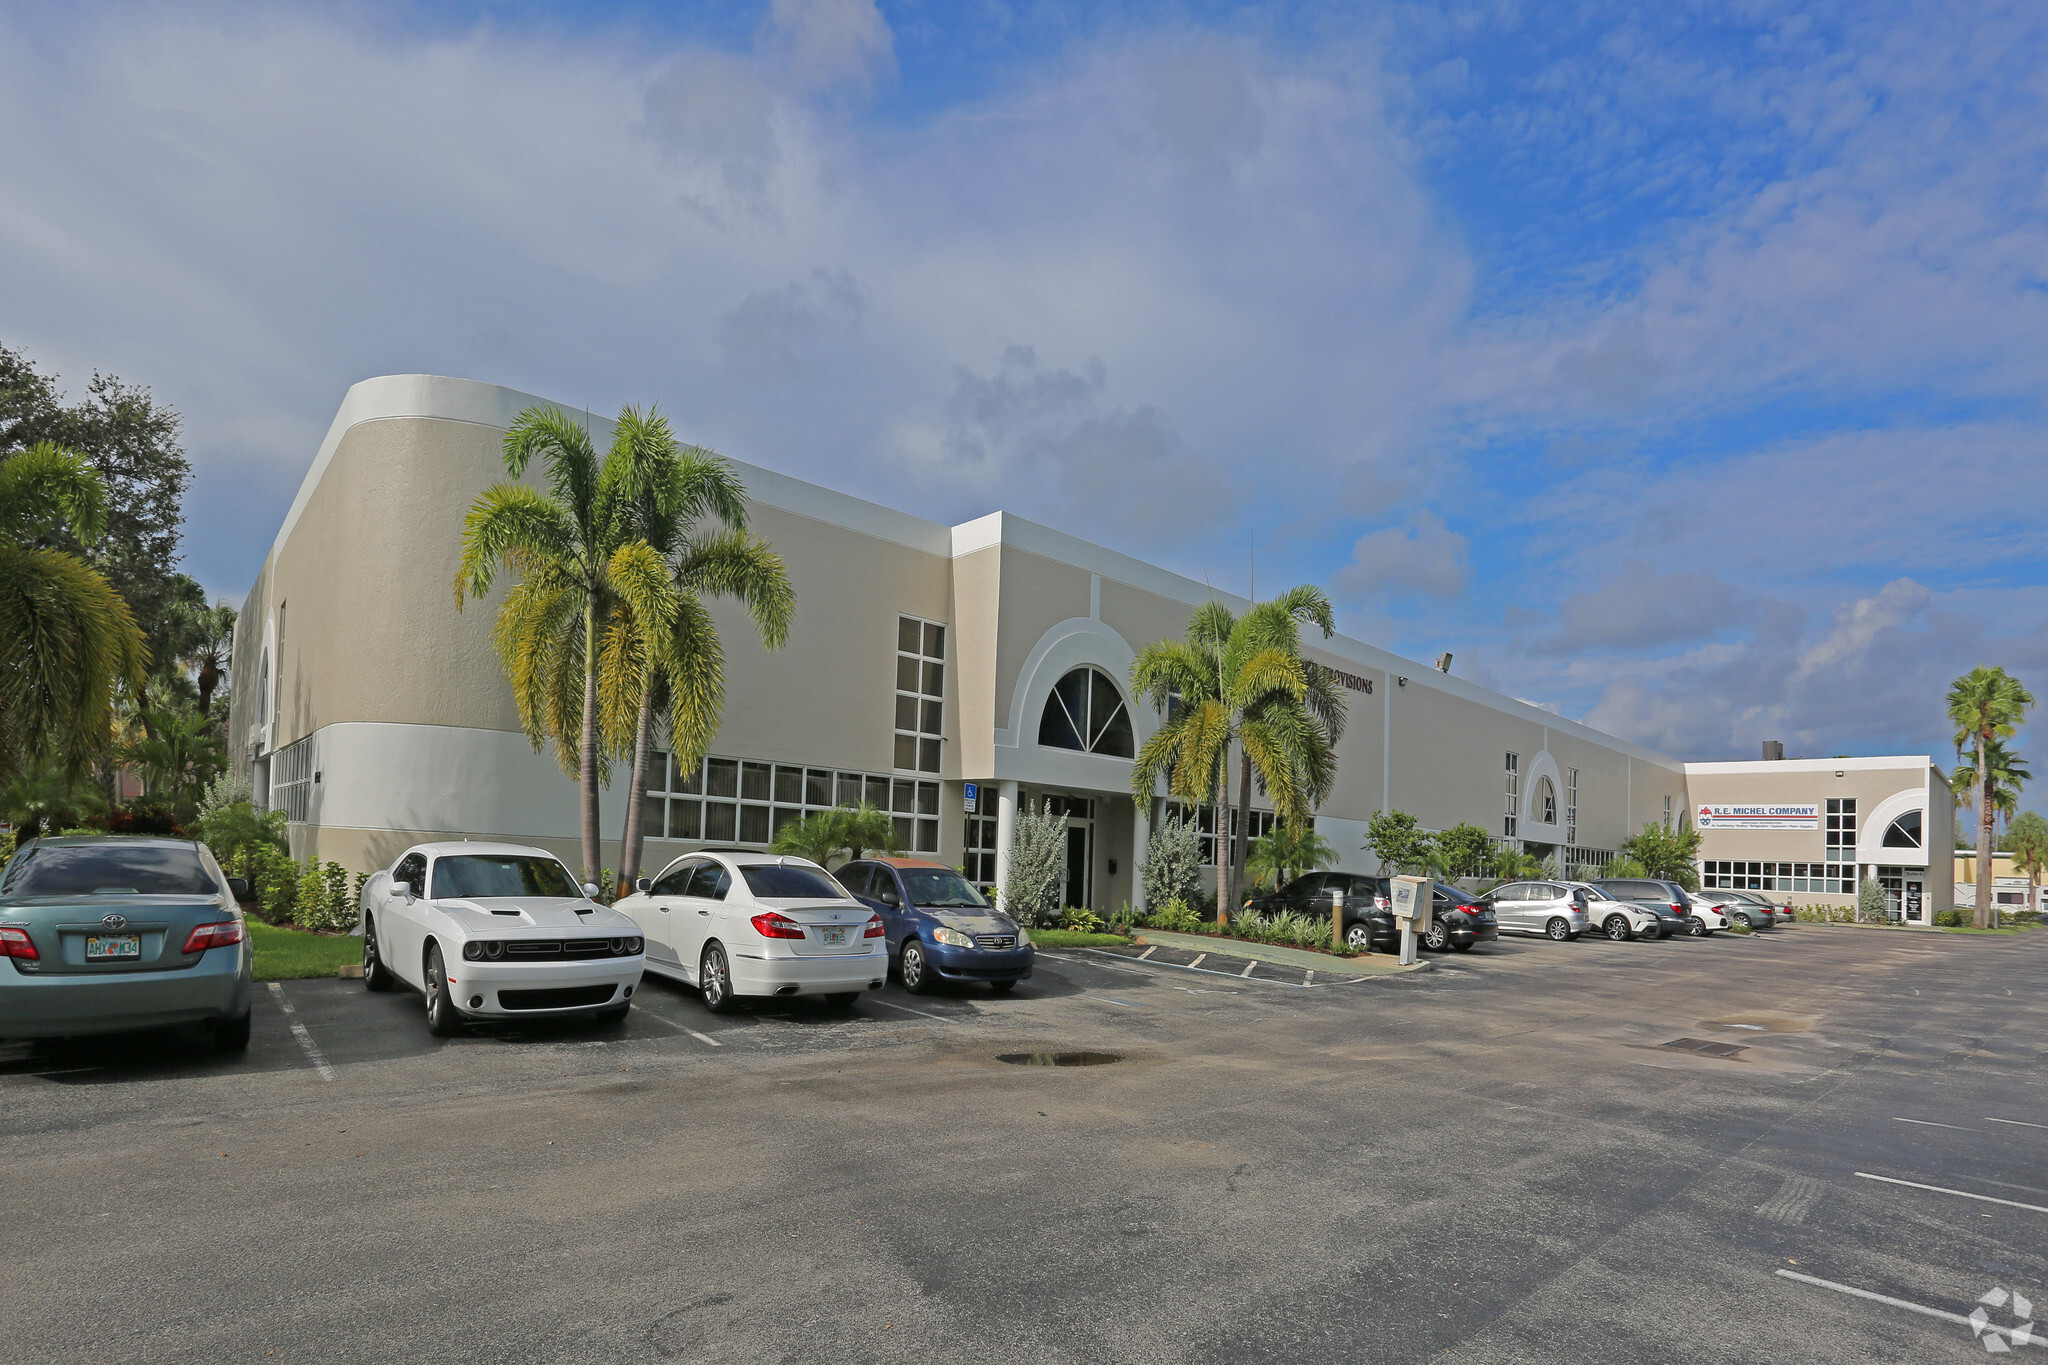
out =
column 1701, row 1045
column 1059, row 1058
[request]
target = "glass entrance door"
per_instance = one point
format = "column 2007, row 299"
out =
column 1080, row 851
column 1916, row 912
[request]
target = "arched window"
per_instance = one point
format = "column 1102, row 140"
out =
column 1546, row 801
column 1904, row 831
column 1086, row 712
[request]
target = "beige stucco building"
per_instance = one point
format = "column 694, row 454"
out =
column 1815, row 828
column 925, row 659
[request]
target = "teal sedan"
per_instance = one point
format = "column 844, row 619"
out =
column 112, row 933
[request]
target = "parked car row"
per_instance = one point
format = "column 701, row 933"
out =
column 1622, row 909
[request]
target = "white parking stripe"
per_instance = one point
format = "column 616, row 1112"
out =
column 1942, row 1189
column 1148, row 952
column 2017, row 1123
column 1248, row 968
column 312, row 1049
column 646, row 1013
column 700, row 1037
column 1930, row 1123
column 1125, row 1003
column 1200, row 958
column 890, row 1004
column 1921, row 1308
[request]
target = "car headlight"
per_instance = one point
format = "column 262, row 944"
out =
column 1023, row 937
column 952, row 938
column 473, row 950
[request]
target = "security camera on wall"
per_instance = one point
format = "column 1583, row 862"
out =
column 1443, row 662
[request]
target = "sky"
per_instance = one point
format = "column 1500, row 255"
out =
column 1677, row 367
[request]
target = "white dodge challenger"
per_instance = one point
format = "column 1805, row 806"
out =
column 497, row 931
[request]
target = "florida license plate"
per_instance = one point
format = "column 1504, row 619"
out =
column 833, row 936
column 111, row 947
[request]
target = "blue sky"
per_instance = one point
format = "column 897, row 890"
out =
column 1678, row 367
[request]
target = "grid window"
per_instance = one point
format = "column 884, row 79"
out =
column 1510, row 826
column 724, row 800
column 920, row 693
column 1571, row 806
column 1667, row 812
column 981, row 851
column 291, row 780
column 1204, row 819
column 1841, row 830
column 1737, row 875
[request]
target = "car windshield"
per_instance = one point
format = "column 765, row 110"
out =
column 1593, row 893
column 97, row 869
column 780, row 882
column 940, row 888
column 502, row 874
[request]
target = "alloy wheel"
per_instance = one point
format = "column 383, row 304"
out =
column 714, row 983
column 1558, row 930
column 1359, row 938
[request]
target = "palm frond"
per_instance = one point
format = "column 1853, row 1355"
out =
column 511, row 522
column 734, row 564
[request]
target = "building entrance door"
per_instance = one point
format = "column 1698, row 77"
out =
column 1079, row 883
column 1916, row 912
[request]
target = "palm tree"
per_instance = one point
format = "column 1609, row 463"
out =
column 1287, row 852
column 67, row 639
column 1241, row 681
column 2031, row 857
column 826, row 834
column 1986, row 704
column 177, row 752
column 579, row 553
column 209, row 648
column 695, row 518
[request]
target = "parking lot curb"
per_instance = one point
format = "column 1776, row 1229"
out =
column 1378, row 964
column 352, row 971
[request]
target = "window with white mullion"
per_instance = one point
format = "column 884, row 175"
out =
column 920, row 693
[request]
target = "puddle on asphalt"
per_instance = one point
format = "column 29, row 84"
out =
column 1059, row 1058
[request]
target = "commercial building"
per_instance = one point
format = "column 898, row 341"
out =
column 1812, row 829
column 925, row 659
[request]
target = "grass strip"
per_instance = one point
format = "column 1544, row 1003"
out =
column 293, row 954
column 1072, row 938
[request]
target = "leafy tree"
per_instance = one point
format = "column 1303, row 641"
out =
column 1986, row 705
column 1467, row 850
column 2028, row 827
column 1173, row 862
column 240, row 835
column 579, row 553
column 843, row 830
column 1670, row 855
column 177, row 754
column 1241, row 681
column 1287, row 852
column 1624, row 867
column 693, row 513
column 1397, row 841
column 67, row 639
column 1038, row 867
column 39, row 801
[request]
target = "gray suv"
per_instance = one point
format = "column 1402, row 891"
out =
column 1550, row 910
column 1666, row 900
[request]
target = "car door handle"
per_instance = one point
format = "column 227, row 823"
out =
column 664, row 909
column 703, row 912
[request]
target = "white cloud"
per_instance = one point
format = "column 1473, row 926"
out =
column 1420, row 556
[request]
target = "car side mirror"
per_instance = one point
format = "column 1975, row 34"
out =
column 402, row 890
column 590, row 889
column 887, row 896
column 642, row 884
column 238, row 887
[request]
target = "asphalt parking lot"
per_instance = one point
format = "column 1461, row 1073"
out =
column 1708, row 1151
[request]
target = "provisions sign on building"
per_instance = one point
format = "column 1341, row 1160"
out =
column 1759, row 817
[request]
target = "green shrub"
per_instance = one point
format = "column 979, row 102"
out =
column 1871, row 905
column 274, row 880
column 1081, row 921
column 1173, row 862
column 1038, row 865
column 1175, row 917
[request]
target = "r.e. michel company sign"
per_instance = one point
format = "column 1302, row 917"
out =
column 1759, row 817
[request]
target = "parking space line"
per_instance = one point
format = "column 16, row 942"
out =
column 1125, row 1003
column 2017, row 1123
column 1183, row 967
column 892, row 1005
column 311, row 1048
column 1200, row 958
column 1943, row 1189
column 647, row 1013
column 700, row 1037
column 1148, row 952
column 1929, row 1123
column 2019, row 1335
column 1248, row 968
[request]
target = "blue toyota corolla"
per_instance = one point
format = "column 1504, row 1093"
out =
column 940, row 927
column 111, row 933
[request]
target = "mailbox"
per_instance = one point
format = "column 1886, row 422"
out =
column 1412, row 901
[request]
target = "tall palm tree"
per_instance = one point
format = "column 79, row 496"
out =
column 578, row 551
column 1287, row 852
column 1241, row 682
column 1986, row 705
column 209, row 649
column 695, row 518
column 67, row 639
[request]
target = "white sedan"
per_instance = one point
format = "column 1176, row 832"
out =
column 496, row 931
column 736, row 924
column 1709, row 913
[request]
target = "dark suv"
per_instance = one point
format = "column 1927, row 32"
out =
column 1666, row 900
column 1368, row 913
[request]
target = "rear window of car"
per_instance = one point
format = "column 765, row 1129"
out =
column 469, row 875
column 776, row 882
column 89, row 869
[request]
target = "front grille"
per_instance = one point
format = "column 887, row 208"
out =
column 568, row 947
column 561, row 998
column 996, row 940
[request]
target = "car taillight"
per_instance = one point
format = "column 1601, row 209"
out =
column 1469, row 909
column 875, row 928
column 17, row 943
column 1678, row 910
column 769, row 924
column 221, row 935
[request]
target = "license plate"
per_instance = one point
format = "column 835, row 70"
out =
column 833, row 936
column 106, row 948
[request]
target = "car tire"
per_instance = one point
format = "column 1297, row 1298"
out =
column 916, row 968
column 1558, row 930
column 1436, row 938
column 1697, row 928
column 231, row 1035
column 443, row 1019
column 1002, row 987
column 841, row 1000
column 377, row 974
column 1616, row 928
column 714, row 981
column 1358, row 938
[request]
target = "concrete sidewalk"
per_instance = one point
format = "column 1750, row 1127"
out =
column 1377, row 964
